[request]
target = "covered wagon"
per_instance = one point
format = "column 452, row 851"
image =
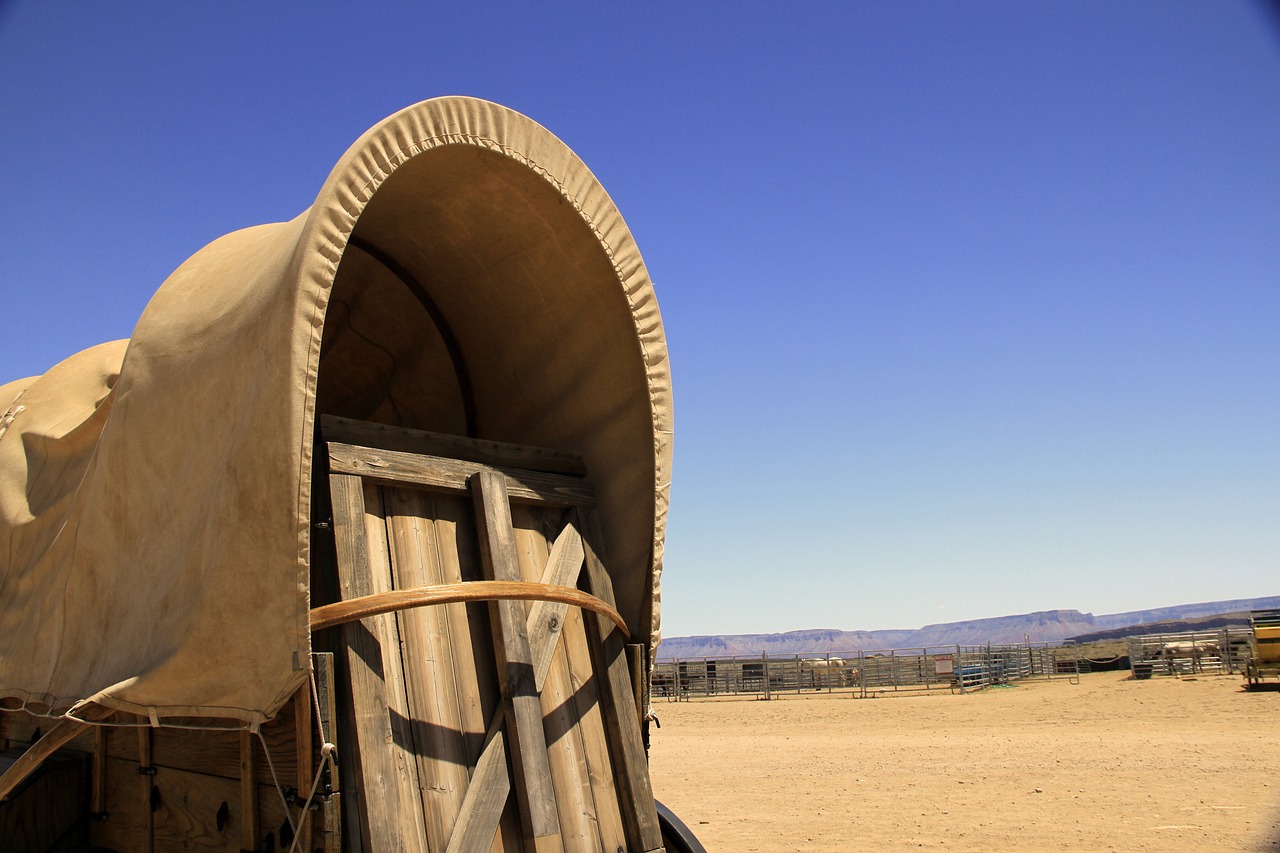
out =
column 355, row 543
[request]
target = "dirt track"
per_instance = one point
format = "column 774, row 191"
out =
column 1108, row 764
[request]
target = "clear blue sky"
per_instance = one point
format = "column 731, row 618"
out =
column 972, row 307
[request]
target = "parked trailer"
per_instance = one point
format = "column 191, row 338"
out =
column 1264, row 626
column 368, row 510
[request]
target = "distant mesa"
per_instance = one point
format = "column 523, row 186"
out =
column 1045, row 626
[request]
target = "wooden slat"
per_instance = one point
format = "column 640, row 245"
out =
column 439, row 743
column 595, row 739
column 215, row 753
column 128, row 820
column 486, row 797
column 327, row 826
column 98, row 794
column 561, row 719
column 515, row 667
column 546, row 618
column 326, row 695
column 394, row 468
column 187, row 808
column 248, row 793
column 496, row 453
column 379, row 780
column 408, row 786
column 145, row 786
column 618, row 703
column 303, row 715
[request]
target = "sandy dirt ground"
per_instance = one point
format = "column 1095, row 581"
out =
column 1107, row 764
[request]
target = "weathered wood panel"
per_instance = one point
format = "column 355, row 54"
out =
column 496, row 453
column 389, row 467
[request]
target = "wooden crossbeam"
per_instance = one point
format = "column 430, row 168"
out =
column 392, row 467
column 496, row 453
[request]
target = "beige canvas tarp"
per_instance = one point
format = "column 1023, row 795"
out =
column 460, row 271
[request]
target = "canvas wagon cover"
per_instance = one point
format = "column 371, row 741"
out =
column 155, row 493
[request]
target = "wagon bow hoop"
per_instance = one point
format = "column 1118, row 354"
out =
column 329, row 615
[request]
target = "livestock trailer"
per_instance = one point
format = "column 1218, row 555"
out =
column 355, row 543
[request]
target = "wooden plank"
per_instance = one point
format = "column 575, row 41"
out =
column 411, row 832
column 146, row 790
column 617, row 701
column 248, row 793
column 128, row 822
column 481, row 812
column 515, row 668
column 98, row 794
column 546, row 618
column 390, row 467
column 214, row 752
column 377, row 778
column 327, row 828
column 326, row 693
column 438, row 739
column 560, row 718
column 303, row 714
column 196, row 811
column 595, row 740
column 496, row 453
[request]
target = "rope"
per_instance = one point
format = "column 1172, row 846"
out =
column 327, row 749
column 276, row 781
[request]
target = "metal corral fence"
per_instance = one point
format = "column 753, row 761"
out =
column 1226, row 650
column 862, row 673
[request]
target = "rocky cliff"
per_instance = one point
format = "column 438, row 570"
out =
column 1046, row 626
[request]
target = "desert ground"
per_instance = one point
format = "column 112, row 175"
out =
column 1166, row 764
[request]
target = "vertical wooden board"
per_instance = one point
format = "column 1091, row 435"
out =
column 431, row 688
column 303, row 722
column 372, row 662
column 412, row 829
column 248, row 791
column 128, row 812
column 456, row 529
column 470, row 636
column 617, row 703
column 565, row 751
column 462, row 562
column 595, row 740
column 98, row 792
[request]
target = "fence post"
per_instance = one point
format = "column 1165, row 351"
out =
column 764, row 665
column 959, row 673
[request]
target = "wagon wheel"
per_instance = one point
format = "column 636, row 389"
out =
column 676, row 837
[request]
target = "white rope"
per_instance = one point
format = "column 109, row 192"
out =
column 327, row 749
column 326, row 757
column 276, row 781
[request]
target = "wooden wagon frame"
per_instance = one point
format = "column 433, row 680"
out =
column 355, row 543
